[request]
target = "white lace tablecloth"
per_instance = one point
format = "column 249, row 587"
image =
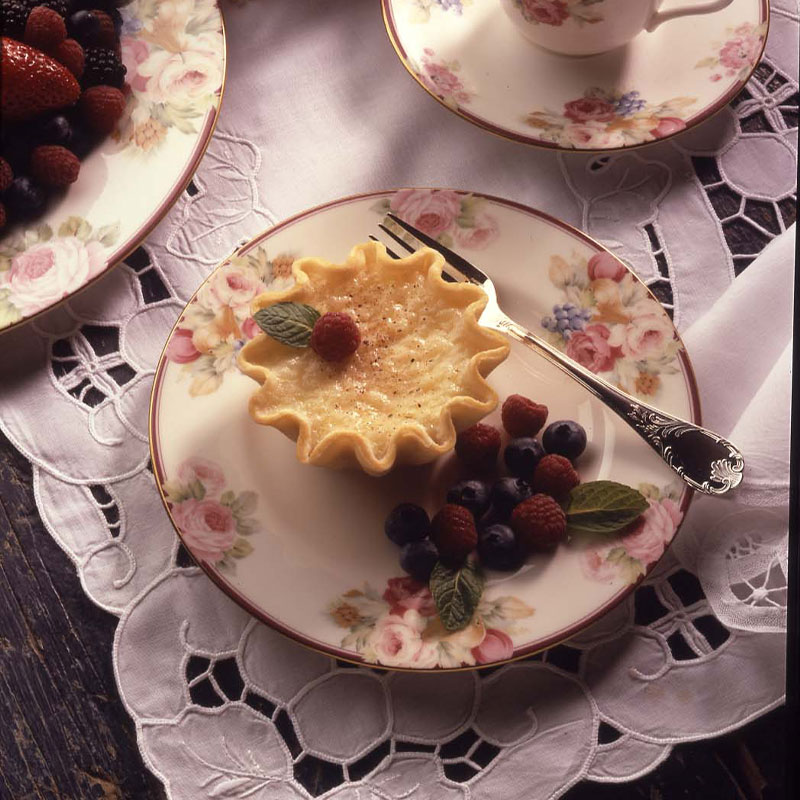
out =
column 318, row 106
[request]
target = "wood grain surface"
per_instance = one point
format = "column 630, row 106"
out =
column 65, row 734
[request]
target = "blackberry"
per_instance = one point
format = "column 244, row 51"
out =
column 103, row 67
column 59, row 6
column 13, row 16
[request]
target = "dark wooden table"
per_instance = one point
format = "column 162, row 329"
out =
column 65, row 734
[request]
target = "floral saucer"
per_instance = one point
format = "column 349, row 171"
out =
column 174, row 51
column 469, row 55
column 303, row 548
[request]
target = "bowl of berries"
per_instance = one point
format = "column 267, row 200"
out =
column 107, row 107
column 536, row 519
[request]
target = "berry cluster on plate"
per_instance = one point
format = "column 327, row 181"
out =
column 503, row 519
column 63, row 89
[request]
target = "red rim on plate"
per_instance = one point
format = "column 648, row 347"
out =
column 134, row 240
column 514, row 136
column 347, row 655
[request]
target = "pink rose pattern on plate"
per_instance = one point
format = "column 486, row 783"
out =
column 213, row 521
column 452, row 218
column 630, row 552
column 218, row 322
column 172, row 51
column 400, row 627
column 557, row 12
column 441, row 78
column 608, row 118
column 40, row 266
column 737, row 55
column 609, row 323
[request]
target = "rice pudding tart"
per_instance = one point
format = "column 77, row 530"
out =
column 418, row 375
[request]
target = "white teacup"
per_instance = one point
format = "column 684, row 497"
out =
column 586, row 27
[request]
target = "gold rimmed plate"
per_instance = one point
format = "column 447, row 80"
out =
column 302, row 548
column 469, row 55
column 174, row 53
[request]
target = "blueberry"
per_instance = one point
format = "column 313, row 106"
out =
column 56, row 130
column 508, row 493
column 24, row 197
column 419, row 558
column 562, row 324
column 81, row 142
column 473, row 495
column 565, row 438
column 559, row 313
column 522, row 455
column 83, row 26
column 498, row 548
column 407, row 523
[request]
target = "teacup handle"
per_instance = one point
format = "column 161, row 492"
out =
column 685, row 11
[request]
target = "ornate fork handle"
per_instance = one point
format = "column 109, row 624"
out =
column 703, row 459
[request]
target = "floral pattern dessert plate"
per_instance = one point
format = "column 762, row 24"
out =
column 470, row 56
column 174, row 52
column 303, row 547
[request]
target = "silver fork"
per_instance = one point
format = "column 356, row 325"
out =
column 706, row 461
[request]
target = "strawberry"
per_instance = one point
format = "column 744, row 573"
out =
column 102, row 107
column 71, row 55
column 32, row 82
column 45, row 29
column 53, row 165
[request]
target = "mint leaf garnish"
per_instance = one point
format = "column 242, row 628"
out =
column 289, row 323
column 456, row 593
column 603, row 507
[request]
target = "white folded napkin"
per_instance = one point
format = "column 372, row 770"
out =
column 741, row 349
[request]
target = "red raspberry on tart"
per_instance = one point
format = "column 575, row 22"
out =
column 335, row 336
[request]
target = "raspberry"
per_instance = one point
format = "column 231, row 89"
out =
column 335, row 336
column 454, row 534
column 522, row 417
column 103, row 67
column 478, row 446
column 6, row 174
column 45, row 28
column 2, row 216
column 102, row 106
column 539, row 522
column 71, row 55
column 106, row 35
column 555, row 475
column 53, row 165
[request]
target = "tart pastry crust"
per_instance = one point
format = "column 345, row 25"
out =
column 417, row 378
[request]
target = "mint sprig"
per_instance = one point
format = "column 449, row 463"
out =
column 603, row 507
column 288, row 323
column 456, row 593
